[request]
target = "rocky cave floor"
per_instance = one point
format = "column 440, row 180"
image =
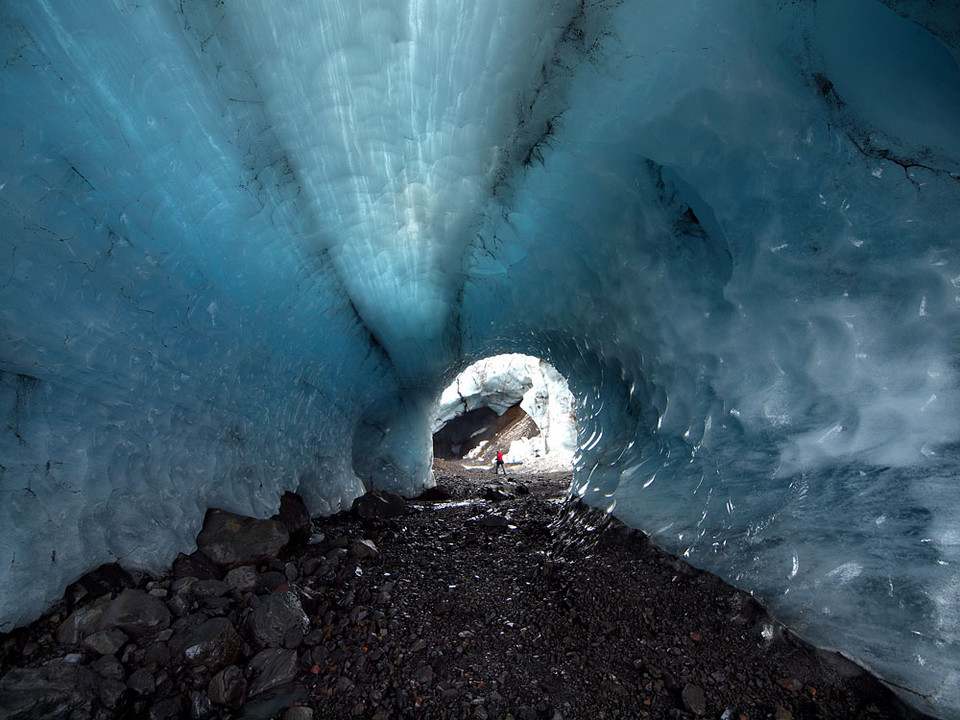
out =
column 487, row 598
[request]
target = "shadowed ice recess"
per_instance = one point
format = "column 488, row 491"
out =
column 246, row 245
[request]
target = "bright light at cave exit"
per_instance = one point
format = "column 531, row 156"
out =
column 504, row 381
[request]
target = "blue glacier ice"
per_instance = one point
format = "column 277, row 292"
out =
column 246, row 245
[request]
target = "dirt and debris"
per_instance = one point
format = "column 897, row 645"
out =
column 485, row 598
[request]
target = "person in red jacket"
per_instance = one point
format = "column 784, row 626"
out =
column 499, row 466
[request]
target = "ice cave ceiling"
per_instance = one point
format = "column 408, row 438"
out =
column 246, row 244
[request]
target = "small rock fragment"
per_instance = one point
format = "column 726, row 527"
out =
column 106, row 642
column 272, row 667
column 228, row 687
column 694, row 700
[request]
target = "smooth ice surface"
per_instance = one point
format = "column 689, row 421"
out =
column 503, row 381
column 246, row 245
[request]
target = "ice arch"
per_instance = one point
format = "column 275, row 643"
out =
column 500, row 383
column 245, row 243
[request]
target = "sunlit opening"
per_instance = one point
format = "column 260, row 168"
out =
column 514, row 404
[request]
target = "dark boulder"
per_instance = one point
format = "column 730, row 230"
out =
column 271, row 668
column 82, row 622
column 197, row 565
column 50, row 692
column 214, row 643
column 278, row 613
column 228, row 687
column 380, row 504
column 231, row 540
column 295, row 517
column 136, row 613
column 108, row 578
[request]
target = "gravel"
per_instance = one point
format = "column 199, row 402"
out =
column 486, row 598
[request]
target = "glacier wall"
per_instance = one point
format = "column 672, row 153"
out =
column 246, row 245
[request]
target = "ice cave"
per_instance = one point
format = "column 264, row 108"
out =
column 246, row 245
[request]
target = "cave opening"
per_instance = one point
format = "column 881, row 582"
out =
column 516, row 404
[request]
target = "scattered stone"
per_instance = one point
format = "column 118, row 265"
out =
column 110, row 578
column 298, row 712
column 196, row 565
column 272, row 667
column 166, row 709
column 209, row 588
column 228, row 687
column 295, row 517
column 109, row 691
column 380, row 504
column 424, row 674
column 136, row 613
column 493, row 520
column 790, row 684
column 108, row 666
column 142, row 682
column 449, row 622
column 495, row 493
column 82, row 622
column 106, row 642
column 242, row 578
column 438, row 493
column 50, row 692
column 231, row 540
column 200, row 705
column 363, row 550
column 694, row 700
column 213, row 643
column 277, row 614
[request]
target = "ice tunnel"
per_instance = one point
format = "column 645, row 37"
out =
column 513, row 403
column 245, row 245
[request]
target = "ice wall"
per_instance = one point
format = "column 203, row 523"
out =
column 245, row 246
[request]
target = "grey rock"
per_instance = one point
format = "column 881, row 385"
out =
column 364, row 550
column 50, row 692
column 496, row 493
column 300, row 712
column 213, row 643
column 109, row 691
column 242, row 578
column 136, row 613
column 167, row 709
column 230, row 539
column 424, row 675
column 694, row 700
column 380, row 504
column 108, row 667
column 197, row 565
column 106, row 642
column 200, row 705
column 277, row 614
column 209, row 588
column 179, row 605
column 493, row 520
column 142, row 682
column 272, row 667
column 228, row 687
column 82, row 622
